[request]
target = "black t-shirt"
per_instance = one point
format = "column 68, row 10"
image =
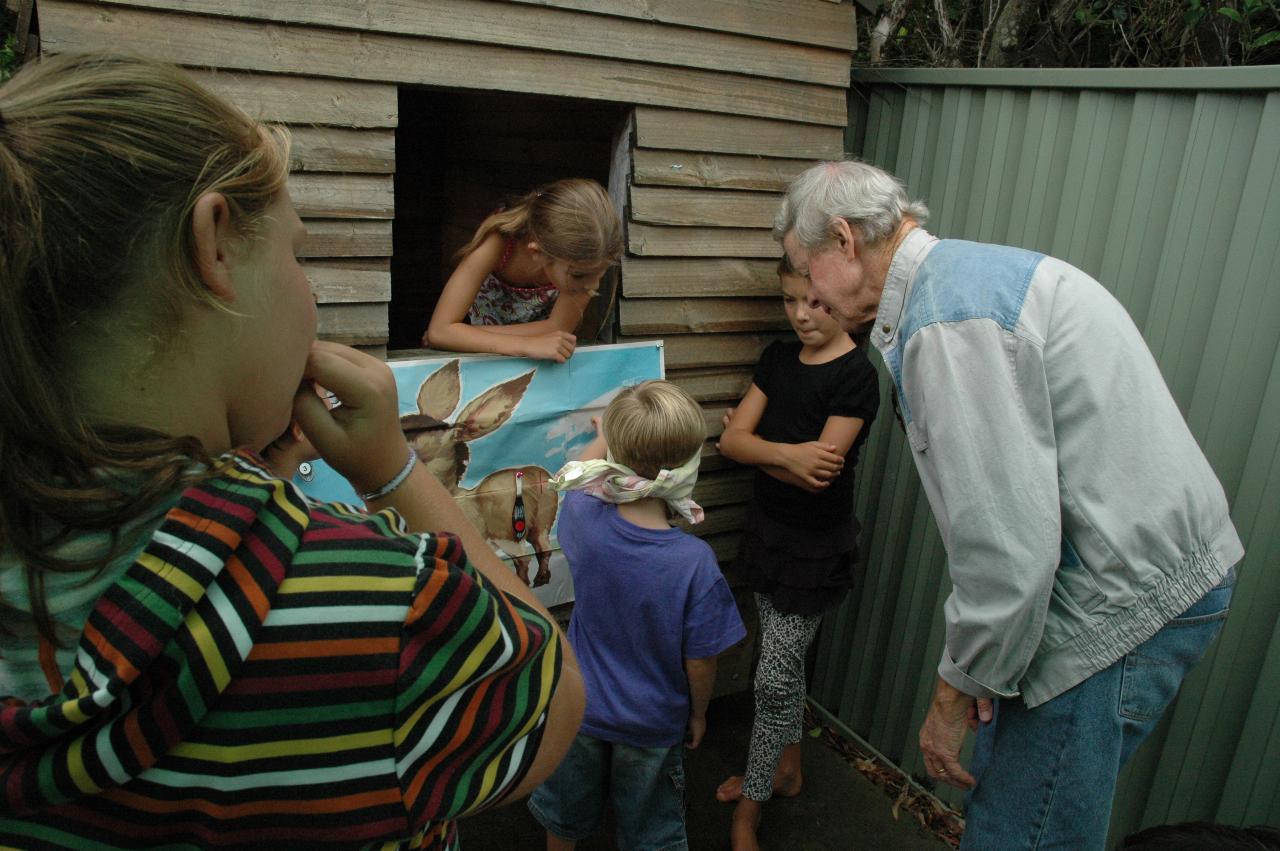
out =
column 800, row 399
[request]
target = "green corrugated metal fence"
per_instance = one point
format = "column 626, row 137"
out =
column 1166, row 187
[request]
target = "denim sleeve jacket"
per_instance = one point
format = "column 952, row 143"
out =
column 1078, row 513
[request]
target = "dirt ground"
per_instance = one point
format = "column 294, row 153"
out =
column 840, row 809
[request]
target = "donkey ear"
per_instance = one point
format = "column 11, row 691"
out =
column 493, row 407
column 439, row 394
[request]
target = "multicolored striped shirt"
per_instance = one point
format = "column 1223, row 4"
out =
column 269, row 671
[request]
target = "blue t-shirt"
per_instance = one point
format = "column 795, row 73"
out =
column 645, row 600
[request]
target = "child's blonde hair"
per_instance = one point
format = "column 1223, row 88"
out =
column 653, row 426
column 102, row 160
column 571, row 220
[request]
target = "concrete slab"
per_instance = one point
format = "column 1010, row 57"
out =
column 839, row 809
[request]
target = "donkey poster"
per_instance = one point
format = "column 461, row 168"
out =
column 493, row 430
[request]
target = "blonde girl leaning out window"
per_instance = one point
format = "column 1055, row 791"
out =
column 525, row 278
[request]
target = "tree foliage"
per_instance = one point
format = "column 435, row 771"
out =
column 8, row 45
column 1071, row 33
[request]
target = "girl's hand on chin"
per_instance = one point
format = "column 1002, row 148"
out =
column 361, row 437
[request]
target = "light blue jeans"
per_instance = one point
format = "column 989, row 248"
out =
column 644, row 785
column 1046, row 776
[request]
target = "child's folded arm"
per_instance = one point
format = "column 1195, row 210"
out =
column 841, row 432
column 811, row 465
column 782, row 474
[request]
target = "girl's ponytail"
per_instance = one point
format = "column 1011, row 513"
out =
column 572, row 220
column 512, row 221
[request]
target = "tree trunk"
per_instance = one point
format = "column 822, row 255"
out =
column 1009, row 33
column 948, row 55
column 894, row 12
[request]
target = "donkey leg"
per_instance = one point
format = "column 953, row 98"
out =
column 544, row 570
column 521, row 564
column 542, row 549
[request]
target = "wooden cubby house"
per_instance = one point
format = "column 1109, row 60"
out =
column 412, row 118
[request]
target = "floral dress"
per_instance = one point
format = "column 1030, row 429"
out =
column 500, row 303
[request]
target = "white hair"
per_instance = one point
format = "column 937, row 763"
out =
column 870, row 199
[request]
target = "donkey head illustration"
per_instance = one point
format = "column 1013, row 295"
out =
column 443, row 446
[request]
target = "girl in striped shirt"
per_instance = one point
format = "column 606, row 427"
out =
column 192, row 654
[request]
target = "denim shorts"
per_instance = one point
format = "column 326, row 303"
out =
column 645, row 786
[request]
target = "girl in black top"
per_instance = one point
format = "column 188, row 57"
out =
column 801, row 424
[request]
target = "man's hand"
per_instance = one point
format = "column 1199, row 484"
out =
column 942, row 733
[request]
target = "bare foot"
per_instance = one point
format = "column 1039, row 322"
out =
column 787, row 787
column 742, row 831
column 730, row 790
column 783, row 787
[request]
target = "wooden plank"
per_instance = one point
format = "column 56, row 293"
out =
column 347, row 238
column 701, row 131
column 686, row 351
column 712, row 459
column 343, row 150
column 714, row 171
column 803, row 22
column 545, row 28
column 714, row 418
column 334, row 283
column 246, row 45
column 359, row 264
column 722, row 384
column 708, row 208
column 22, row 27
column 600, row 315
column 659, row 277
column 700, row 315
column 354, row 324
column 725, row 518
column 299, row 100
column 730, row 487
column 343, row 196
column 657, row 241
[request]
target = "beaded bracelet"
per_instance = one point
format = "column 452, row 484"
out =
column 396, row 482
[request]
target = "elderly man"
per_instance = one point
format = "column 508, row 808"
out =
column 1088, row 540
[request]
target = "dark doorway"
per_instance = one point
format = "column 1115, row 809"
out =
column 458, row 157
